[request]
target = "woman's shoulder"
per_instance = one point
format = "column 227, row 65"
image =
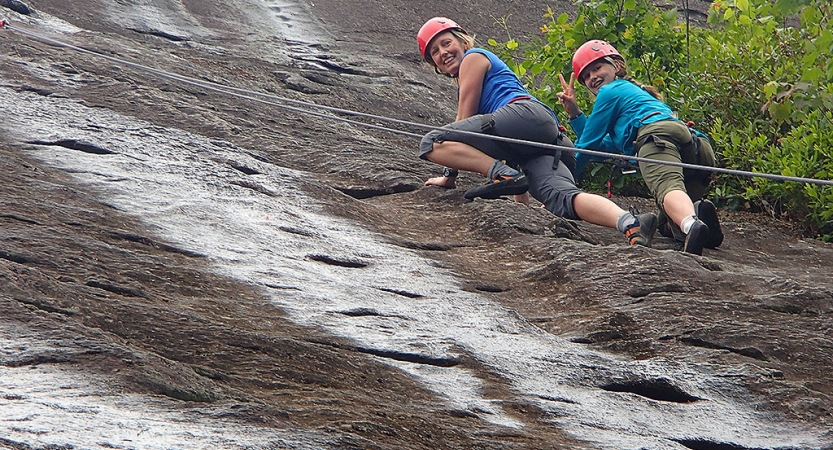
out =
column 614, row 90
column 621, row 88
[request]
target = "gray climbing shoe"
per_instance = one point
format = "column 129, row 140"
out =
column 696, row 238
column 643, row 233
column 706, row 211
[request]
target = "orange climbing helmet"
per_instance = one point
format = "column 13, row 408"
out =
column 591, row 51
column 431, row 29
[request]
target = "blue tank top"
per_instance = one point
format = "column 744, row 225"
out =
column 500, row 85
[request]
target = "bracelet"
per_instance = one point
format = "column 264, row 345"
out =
column 576, row 116
column 450, row 173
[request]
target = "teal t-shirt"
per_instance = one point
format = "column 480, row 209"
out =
column 620, row 109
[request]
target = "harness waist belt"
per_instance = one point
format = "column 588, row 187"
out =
column 649, row 115
column 519, row 98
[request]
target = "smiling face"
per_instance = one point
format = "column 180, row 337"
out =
column 446, row 52
column 597, row 74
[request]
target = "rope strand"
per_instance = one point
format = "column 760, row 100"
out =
column 270, row 99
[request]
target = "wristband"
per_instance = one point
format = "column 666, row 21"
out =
column 450, row 173
column 576, row 116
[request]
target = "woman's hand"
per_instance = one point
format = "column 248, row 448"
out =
column 568, row 96
column 444, row 182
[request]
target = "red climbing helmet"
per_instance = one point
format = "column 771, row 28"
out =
column 431, row 29
column 591, row 51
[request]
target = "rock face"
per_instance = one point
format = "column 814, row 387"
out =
column 195, row 254
column 16, row 6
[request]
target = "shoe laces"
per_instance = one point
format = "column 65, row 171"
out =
column 504, row 177
column 634, row 234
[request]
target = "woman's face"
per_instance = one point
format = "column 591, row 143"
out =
column 446, row 51
column 598, row 74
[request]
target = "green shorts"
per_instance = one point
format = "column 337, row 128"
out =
column 673, row 141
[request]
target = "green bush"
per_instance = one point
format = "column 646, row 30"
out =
column 806, row 151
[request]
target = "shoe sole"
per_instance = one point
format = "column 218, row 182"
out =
column 514, row 186
column 696, row 239
column 707, row 212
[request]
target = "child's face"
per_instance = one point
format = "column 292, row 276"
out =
column 446, row 51
column 597, row 74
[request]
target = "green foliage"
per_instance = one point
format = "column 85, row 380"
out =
column 758, row 79
column 806, row 151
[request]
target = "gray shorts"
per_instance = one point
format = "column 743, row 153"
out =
column 552, row 183
column 527, row 120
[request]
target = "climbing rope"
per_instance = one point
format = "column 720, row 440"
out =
column 270, row 99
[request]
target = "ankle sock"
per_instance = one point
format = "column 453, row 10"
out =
column 498, row 168
column 626, row 220
column 687, row 223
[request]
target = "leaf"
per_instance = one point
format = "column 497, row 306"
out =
column 770, row 89
column 812, row 74
column 729, row 15
column 492, row 42
column 780, row 111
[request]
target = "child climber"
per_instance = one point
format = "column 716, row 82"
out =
column 632, row 119
column 492, row 101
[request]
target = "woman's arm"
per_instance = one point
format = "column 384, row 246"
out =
column 470, row 80
column 472, row 72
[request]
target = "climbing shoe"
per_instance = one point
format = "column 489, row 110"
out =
column 706, row 211
column 502, row 185
column 696, row 238
column 642, row 233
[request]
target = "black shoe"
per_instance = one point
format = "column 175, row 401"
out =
column 696, row 238
column 500, row 186
column 706, row 211
column 643, row 233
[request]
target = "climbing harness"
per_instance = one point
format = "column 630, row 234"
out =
column 271, row 100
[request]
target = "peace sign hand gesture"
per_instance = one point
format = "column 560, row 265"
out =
column 568, row 96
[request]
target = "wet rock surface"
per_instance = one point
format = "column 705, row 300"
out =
column 185, row 268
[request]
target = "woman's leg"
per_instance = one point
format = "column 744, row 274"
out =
column 597, row 209
column 460, row 156
column 551, row 183
column 678, row 206
column 461, row 145
column 667, row 185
